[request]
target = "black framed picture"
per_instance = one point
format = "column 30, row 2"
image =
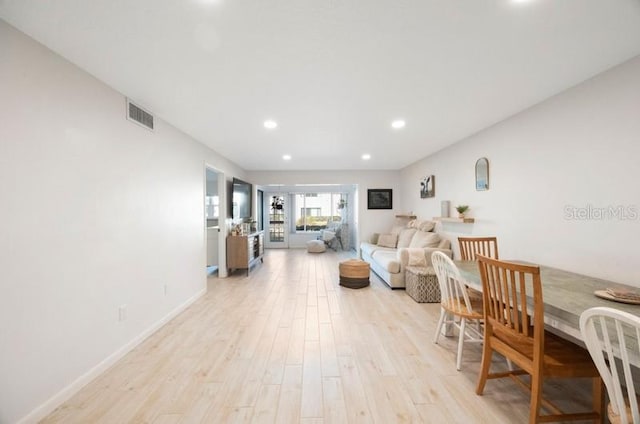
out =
column 379, row 198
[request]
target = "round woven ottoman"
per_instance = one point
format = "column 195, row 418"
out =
column 354, row 273
column 316, row 246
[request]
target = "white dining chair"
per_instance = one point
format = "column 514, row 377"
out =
column 609, row 334
column 456, row 304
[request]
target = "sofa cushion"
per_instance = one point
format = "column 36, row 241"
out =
column 388, row 260
column 388, row 240
column 424, row 239
column 404, row 239
column 368, row 249
column 396, row 229
column 444, row 244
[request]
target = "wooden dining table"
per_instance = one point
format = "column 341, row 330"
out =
column 565, row 294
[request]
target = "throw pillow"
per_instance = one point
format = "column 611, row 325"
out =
column 426, row 225
column 422, row 224
column 387, row 240
column 327, row 235
column 405, row 237
column 425, row 239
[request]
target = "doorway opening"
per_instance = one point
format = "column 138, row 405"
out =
column 296, row 214
column 277, row 217
column 215, row 215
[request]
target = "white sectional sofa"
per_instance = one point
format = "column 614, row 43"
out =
column 405, row 245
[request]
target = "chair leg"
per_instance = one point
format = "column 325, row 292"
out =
column 598, row 398
column 487, row 352
column 439, row 326
column 463, row 324
column 536, row 398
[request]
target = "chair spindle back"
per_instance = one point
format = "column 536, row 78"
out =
column 506, row 307
column 470, row 247
column 452, row 289
column 608, row 331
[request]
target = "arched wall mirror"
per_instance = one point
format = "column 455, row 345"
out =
column 482, row 174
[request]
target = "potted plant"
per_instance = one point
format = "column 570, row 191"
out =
column 461, row 210
column 342, row 204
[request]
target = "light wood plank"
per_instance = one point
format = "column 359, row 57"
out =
column 278, row 357
column 264, row 410
column 312, row 330
column 295, row 350
column 328, row 352
column 356, row 404
column 323, row 310
column 335, row 410
column 341, row 335
column 311, row 381
column 290, row 395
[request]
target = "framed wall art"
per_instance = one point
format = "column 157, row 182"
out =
column 428, row 187
column 379, row 198
column 482, row 174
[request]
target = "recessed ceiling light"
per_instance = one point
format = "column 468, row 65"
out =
column 398, row 123
column 286, row 157
column 270, row 125
column 366, row 156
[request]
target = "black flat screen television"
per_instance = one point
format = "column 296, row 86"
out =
column 241, row 199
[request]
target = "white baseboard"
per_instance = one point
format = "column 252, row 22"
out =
column 63, row 395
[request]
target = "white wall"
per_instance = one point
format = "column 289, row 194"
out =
column 578, row 148
column 367, row 221
column 96, row 212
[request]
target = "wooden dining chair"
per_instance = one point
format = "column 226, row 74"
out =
column 607, row 331
column 514, row 327
column 470, row 247
column 455, row 306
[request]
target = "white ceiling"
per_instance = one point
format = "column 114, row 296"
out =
column 332, row 73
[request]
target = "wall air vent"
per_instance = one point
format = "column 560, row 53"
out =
column 138, row 115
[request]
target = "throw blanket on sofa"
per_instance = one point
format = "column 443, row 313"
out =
column 416, row 257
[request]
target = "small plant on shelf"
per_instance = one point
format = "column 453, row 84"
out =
column 462, row 209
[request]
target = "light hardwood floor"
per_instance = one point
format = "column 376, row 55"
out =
column 289, row 345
